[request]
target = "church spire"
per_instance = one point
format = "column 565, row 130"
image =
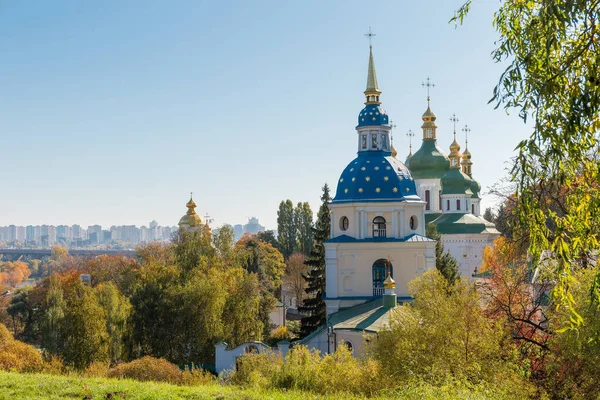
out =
column 466, row 155
column 372, row 92
column 454, row 155
column 429, row 126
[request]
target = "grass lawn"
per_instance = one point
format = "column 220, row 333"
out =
column 44, row 387
column 39, row 386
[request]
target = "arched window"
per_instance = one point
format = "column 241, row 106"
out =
column 344, row 223
column 427, row 200
column 379, row 228
column 379, row 273
column 457, row 204
column 440, row 199
column 473, row 209
column 447, row 205
column 413, row 223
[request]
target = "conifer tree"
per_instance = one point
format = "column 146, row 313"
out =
column 444, row 262
column 314, row 308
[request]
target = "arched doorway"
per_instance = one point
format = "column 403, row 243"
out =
column 379, row 273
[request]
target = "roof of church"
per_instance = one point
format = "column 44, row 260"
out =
column 375, row 176
column 431, row 217
column 372, row 115
column 371, row 316
column 428, row 162
column 411, row 238
column 456, row 182
column 456, row 223
column 475, row 187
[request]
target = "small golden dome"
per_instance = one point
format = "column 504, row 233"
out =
column 394, row 152
column 454, row 147
column 466, row 155
column 389, row 283
column 428, row 115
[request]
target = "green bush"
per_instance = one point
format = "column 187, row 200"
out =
column 158, row 370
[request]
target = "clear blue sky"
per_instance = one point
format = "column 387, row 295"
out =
column 112, row 112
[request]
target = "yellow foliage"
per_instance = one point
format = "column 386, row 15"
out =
column 159, row 370
column 498, row 254
column 307, row 370
column 18, row 356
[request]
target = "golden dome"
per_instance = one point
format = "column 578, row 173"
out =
column 389, row 283
column 394, row 152
column 454, row 155
column 428, row 115
column 190, row 219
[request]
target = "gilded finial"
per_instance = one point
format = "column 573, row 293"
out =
column 466, row 156
column 428, row 84
column 410, row 134
column 372, row 92
column 388, row 283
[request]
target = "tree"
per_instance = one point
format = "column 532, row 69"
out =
column 269, row 238
column 553, row 80
column 118, row 311
column 223, row 240
column 21, row 313
column 83, row 331
column 13, row 273
column 287, row 230
column 573, row 366
column 304, row 221
column 268, row 264
column 444, row 262
column 190, row 247
column 488, row 215
column 295, row 272
column 53, row 316
column 314, row 307
column 444, row 335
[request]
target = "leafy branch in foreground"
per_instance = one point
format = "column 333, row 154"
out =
column 553, row 81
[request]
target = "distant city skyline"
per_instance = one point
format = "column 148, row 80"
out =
column 113, row 112
column 76, row 235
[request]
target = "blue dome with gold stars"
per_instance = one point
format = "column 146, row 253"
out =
column 375, row 176
column 372, row 115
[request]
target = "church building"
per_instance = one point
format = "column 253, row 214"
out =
column 378, row 218
column 451, row 196
column 378, row 241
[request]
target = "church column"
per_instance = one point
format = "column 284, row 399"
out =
column 395, row 223
column 402, row 232
column 364, row 224
column 331, row 224
column 357, row 224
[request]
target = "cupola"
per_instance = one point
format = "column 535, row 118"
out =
column 190, row 219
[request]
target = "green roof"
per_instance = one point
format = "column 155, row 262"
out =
column 475, row 187
column 431, row 217
column 456, row 182
column 428, row 162
column 369, row 317
column 456, row 223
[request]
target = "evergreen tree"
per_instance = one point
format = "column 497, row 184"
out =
column 444, row 262
column 304, row 222
column 488, row 215
column 314, row 308
column 287, row 231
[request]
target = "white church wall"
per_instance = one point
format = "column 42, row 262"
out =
column 467, row 249
column 357, row 340
column 319, row 342
column 350, row 265
column 434, row 187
